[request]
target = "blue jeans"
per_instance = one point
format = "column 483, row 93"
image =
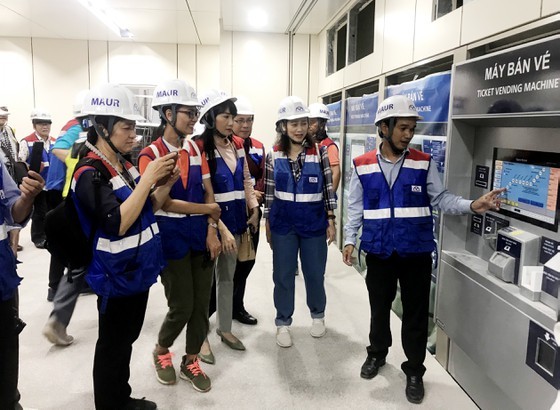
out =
column 313, row 255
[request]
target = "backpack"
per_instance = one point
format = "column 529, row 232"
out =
column 66, row 241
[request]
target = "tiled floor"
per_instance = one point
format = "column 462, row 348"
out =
column 313, row 374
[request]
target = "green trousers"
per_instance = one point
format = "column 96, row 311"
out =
column 187, row 284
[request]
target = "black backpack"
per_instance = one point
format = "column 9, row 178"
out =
column 66, row 241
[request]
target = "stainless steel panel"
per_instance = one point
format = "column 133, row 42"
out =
column 492, row 331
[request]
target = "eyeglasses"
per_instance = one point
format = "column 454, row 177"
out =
column 191, row 113
column 240, row 121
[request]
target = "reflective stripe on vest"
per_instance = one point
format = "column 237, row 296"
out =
column 397, row 218
column 298, row 205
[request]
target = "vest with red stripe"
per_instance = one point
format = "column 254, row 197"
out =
column 298, row 205
column 398, row 218
column 128, row 264
column 32, row 139
column 327, row 142
column 256, row 152
column 180, row 232
column 229, row 190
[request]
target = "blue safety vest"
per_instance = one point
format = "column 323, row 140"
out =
column 398, row 218
column 122, row 265
column 298, row 205
column 181, row 232
column 9, row 280
column 229, row 190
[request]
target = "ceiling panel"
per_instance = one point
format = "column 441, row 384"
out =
column 321, row 14
column 159, row 21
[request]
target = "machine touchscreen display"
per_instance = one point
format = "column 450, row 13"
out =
column 531, row 179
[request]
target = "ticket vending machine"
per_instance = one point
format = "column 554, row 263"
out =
column 505, row 132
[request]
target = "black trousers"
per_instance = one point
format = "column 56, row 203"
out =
column 119, row 327
column 414, row 276
column 9, row 354
column 56, row 269
column 40, row 208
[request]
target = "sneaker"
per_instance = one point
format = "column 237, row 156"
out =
column 283, row 336
column 140, row 404
column 193, row 373
column 165, row 372
column 55, row 332
column 318, row 328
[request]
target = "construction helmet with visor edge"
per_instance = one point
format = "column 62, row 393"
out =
column 292, row 108
column 318, row 110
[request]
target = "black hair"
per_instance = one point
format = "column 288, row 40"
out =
column 209, row 120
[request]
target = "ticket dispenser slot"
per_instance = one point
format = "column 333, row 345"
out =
column 543, row 354
column 502, row 266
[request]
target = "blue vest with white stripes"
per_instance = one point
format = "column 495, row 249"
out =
column 9, row 280
column 298, row 205
column 180, row 232
column 398, row 218
column 128, row 264
column 229, row 191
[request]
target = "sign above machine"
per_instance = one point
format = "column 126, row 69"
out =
column 524, row 79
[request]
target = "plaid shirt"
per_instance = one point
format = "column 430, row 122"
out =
column 328, row 194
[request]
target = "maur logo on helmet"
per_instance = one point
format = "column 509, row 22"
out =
column 174, row 92
column 318, row 110
column 396, row 106
column 212, row 98
column 292, row 108
column 109, row 102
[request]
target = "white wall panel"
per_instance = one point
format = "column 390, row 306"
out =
column 483, row 18
column 316, row 67
column 435, row 37
column 207, row 67
column 16, row 82
column 60, row 70
column 98, row 63
column 398, row 34
column 550, row 6
column 226, row 61
column 132, row 63
column 300, row 66
column 186, row 63
column 260, row 72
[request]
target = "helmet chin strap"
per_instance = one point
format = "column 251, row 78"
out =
column 394, row 149
column 296, row 142
column 173, row 121
column 105, row 134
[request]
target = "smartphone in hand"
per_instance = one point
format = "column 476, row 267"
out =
column 36, row 156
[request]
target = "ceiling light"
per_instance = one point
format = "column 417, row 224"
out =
column 105, row 15
column 257, row 18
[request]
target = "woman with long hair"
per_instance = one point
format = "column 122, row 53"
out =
column 299, row 204
column 233, row 191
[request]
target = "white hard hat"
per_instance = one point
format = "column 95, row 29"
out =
column 396, row 106
column 212, row 98
column 292, row 108
column 79, row 102
column 198, row 128
column 244, row 107
column 318, row 110
column 174, row 92
column 111, row 100
column 4, row 111
column 40, row 114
